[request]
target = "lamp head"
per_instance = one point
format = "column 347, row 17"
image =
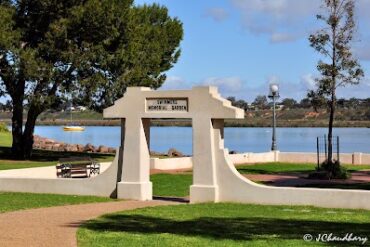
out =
column 274, row 90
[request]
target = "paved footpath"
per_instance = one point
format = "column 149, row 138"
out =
column 57, row 226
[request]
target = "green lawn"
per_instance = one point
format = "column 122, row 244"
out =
column 39, row 157
column 43, row 158
column 175, row 185
column 222, row 224
column 279, row 167
column 5, row 139
column 10, row 201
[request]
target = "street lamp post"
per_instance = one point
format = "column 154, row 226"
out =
column 274, row 94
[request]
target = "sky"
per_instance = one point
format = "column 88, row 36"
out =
column 242, row 46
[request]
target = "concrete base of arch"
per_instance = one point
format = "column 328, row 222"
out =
column 204, row 193
column 231, row 186
column 142, row 191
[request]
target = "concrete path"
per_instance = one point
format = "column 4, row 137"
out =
column 57, row 226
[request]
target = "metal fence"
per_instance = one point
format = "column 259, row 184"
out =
column 322, row 149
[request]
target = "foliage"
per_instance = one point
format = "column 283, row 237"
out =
column 289, row 103
column 10, row 201
column 89, row 50
column 317, row 100
column 238, row 103
column 222, row 224
column 335, row 170
column 260, row 101
column 3, row 128
column 340, row 68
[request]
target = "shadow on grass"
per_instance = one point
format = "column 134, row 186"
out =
column 243, row 228
column 45, row 155
column 360, row 186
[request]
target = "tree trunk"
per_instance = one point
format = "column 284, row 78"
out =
column 333, row 100
column 32, row 115
column 17, row 124
column 17, row 96
column 330, row 132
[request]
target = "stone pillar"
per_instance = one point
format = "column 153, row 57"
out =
column 357, row 158
column 120, row 157
column 146, row 124
column 135, row 182
column 204, row 188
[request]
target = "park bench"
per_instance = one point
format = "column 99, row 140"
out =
column 77, row 167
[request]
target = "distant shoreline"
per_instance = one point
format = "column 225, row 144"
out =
column 228, row 123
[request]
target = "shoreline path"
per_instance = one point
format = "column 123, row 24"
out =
column 57, row 226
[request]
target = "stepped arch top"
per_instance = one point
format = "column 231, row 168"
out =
column 197, row 102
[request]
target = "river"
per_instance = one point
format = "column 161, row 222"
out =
column 237, row 139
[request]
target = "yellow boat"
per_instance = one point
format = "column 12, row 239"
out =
column 73, row 128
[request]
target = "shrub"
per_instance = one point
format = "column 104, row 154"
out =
column 335, row 170
column 3, row 127
column 329, row 171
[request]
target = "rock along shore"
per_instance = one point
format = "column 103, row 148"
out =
column 44, row 143
column 53, row 145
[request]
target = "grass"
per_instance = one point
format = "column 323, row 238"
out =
column 10, row 201
column 172, row 185
column 42, row 158
column 279, row 167
column 5, row 139
column 177, row 185
column 222, row 224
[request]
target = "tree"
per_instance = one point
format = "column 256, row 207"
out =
column 232, row 100
column 305, row 103
column 90, row 49
column 242, row 104
column 340, row 68
column 353, row 103
column 238, row 103
column 289, row 102
column 260, row 101
column 341, row 102
column 317, row 100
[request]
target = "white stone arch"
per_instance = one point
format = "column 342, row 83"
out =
column 204, row 106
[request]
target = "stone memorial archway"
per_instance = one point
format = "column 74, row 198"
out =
column 207, row 110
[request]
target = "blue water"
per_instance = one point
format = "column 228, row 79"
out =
column 238, row 139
